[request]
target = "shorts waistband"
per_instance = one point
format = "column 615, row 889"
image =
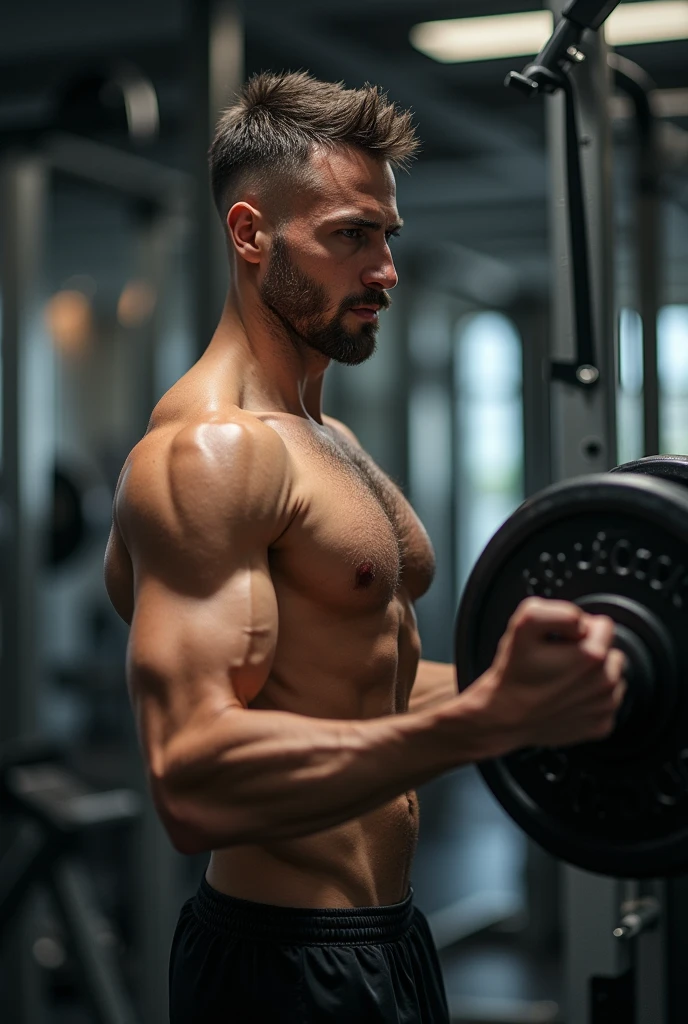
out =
column 299, row 925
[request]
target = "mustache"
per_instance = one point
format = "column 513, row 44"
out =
column 369, row 298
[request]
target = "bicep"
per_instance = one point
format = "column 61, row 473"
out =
column 198, row 518
column 192, row 658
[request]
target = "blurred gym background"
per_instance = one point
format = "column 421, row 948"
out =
column 111, row 282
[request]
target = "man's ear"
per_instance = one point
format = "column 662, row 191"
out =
column 245, row 228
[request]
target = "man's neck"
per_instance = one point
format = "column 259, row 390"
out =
column 276, row 371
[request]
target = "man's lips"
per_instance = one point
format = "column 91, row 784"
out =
column 366, row 312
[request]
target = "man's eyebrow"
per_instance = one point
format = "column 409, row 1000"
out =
column 374, row 225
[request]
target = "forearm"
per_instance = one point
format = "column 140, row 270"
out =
column 258, row 776
column 435, row 684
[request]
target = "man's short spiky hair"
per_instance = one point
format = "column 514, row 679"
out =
column 278, row 119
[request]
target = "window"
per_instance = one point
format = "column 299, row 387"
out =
column 489, row 418
column 672, row 341
column 629, row 402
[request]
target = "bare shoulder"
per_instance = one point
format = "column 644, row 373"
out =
column 188, row 488
column 341, row 428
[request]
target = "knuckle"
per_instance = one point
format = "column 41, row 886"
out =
column 625, row 664
column 593, row 657
column 616, row 676
column 617, row 662
column 528, row 611
column 543, row 610
column 603, row 625
column 609, row 683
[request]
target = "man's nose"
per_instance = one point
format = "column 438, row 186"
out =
column 382, row 274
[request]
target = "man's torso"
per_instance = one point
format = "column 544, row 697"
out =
column 346, row 572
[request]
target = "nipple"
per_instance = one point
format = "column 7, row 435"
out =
column 365, row 574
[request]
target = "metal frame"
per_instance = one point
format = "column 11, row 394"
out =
column 583, row 419
column 216, row 71
column 584, row 440
column 648, row 235
column 27, row 460
column 28, row 456
column 54, row 809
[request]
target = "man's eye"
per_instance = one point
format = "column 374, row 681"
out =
column 351, row 232
column 392, row 234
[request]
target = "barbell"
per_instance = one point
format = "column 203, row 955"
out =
column 615, row 544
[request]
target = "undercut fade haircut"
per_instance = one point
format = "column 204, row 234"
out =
column 278, row 119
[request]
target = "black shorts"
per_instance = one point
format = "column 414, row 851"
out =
column 236, row 962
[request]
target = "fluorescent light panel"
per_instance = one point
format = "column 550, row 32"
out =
column 500, row 35
column 523, row 35
column 657, row 22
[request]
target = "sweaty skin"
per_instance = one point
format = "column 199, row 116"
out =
column 268, row 571
column 351, row 561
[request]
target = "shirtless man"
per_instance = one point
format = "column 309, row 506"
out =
column 268, row 569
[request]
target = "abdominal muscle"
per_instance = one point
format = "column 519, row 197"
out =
column 362, row 863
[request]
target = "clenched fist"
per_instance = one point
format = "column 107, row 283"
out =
column 555, row 680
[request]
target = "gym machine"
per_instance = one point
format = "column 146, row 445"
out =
column 616, row 811
column 638, row 86
column 54, row 810
column 44, row 521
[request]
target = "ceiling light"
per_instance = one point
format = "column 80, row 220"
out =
column 523, row 35
column 498, row 35
column 656, row 22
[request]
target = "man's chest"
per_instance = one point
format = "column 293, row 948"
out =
column 353, row 535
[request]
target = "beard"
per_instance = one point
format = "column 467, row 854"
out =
column 300, row 305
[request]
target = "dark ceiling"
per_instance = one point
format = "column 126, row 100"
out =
column 479, row 188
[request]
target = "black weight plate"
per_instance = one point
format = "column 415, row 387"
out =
column 673, row 468
column 600, row 806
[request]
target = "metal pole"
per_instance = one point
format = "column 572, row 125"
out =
column 583, row 422
column 592, row 909
column 651, row 963
column 27, row 438
column 216, row 45
column 583, row 419
column 648, row 241
column 27, row 464
column 533, row 323
column 676, row 913
column 100, row 976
